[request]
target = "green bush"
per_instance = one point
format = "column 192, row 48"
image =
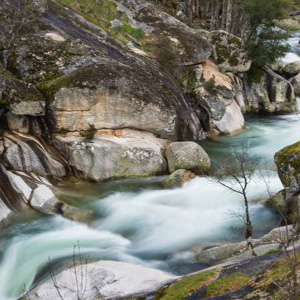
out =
column 89, row 133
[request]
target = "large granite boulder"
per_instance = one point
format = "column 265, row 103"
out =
column 111, row 102
column 217, row 94
column 187, row 155
column 70, row 59
column 105, row 280
column 123, row 155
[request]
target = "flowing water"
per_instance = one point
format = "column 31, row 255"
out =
column 138, row 221
column 293, row 55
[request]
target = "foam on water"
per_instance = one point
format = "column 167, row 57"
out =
column 26, row 254
column 167, row 221
column 292, row 56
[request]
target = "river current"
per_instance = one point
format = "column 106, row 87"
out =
column 139, row 221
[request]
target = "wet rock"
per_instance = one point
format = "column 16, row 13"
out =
column 187, row 155
column 178, row 178
column 220, row 253
column 43, row 199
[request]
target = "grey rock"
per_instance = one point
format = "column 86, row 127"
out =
column 292, row 69
column 187, row 155
column 296, row 84
column 217, row 108
column 18, row 123
column 32, row 108
column 28, row 154
column 108, row 157
column 232, row 121
column 108, row 279
column 229, row 52
column 288, row 166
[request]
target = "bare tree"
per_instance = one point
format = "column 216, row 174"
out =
column 79, row 275
column 235, row 173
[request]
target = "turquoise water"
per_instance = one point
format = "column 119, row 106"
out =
column 138, row 221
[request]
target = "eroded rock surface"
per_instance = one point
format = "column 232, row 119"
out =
column 105, row 279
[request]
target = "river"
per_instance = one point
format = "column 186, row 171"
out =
column 138, row 221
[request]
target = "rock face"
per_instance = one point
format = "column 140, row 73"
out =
column 105, row 279
column 108, row 156
column 267, row 95
column 296, row 84
column 217, row 92
column 187, row 155
column 144, row 108
column 28, row 154
column 19, row 189
column 229, row 52
column 288, row 165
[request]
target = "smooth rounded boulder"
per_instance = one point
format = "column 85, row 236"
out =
column 292, row 69
column 288, row 165
column 187, row 155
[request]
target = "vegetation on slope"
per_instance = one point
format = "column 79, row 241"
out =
column 102, row 13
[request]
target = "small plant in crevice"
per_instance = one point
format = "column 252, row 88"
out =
column 89, row 133
column 63, row 131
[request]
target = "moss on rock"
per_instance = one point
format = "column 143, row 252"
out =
column 288, row 164
column 186, row 286
column 178, row 178
column 230, row 283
